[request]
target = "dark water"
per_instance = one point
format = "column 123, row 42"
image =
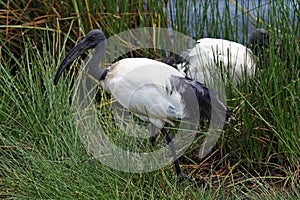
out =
column 202, row 16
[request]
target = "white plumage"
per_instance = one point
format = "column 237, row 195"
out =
column 213, row 60
column 147, row 89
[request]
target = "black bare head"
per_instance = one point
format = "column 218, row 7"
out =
column 91, row 40
column 260, row 44
column 259, row 40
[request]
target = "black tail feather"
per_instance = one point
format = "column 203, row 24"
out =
column 210, row 107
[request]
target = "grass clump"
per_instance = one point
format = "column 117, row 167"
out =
column 41, row 151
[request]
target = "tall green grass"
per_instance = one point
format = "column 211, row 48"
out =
column 42, row 156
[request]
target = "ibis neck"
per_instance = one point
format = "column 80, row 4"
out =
column 93, row 67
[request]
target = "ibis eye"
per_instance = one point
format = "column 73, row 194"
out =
column 92, row 38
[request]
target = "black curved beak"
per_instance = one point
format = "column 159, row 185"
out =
column 77, row 51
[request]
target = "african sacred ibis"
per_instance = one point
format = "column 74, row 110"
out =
column 151, row 89
column 214, row 59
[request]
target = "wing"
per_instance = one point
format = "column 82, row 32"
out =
column 143, row 86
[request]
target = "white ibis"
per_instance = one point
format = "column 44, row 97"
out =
column 213, row 59
column 140, row 84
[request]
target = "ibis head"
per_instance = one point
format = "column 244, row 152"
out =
column 259, row 39
column 92, row 39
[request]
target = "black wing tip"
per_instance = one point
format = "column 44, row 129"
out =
column 207, row 98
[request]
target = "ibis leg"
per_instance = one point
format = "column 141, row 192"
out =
column 173, row 151
column 153, row 140
column 154, row 135
column 181, row 176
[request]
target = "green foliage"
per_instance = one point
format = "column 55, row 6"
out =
column 42, row 155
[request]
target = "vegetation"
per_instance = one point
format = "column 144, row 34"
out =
column 42, row 155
